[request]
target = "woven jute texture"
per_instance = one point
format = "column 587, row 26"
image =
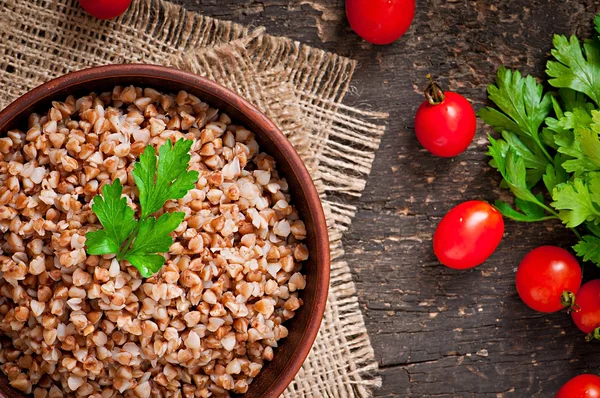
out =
column 298, row 87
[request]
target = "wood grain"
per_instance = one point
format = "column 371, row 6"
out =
column 437, row 332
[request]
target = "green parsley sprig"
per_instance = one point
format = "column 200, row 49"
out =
column 549, row 150
column 139, row 241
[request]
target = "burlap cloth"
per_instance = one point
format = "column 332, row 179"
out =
column 298, row 87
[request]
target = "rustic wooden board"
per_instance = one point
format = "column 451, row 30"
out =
column 436, row 332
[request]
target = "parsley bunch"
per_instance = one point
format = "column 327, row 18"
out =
column 550, row 141
column 158, row 180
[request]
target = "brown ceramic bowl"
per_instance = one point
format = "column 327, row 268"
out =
column 277, row 374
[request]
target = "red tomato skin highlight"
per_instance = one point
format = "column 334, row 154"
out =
column 544, row 274
column 582, row 386
column 587, row 318
column 446, row 129
column 468, row 234
column 380, row 21
column 105, row 9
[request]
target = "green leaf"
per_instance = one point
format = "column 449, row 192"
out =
column 555, row 173
column 515, row 176
column 512, row 168
column 158, row 179
column 590, row 142
column 572, row 99
column 589, row 249
column 592, row 181
column 497, row 151
column 153, row 237
column 170, row 181
column 522, row 104
column 99, row 243
column 530, row 212
column 508, row 211
column 575, row 68
column 577, row 118
column 530, row 208
column 567, row 144
column 144, row 173
column 558, row 111
column 147, row 263
column 115, row 216
column 570, row 120
column 564, row 152
column 547, row 138
column 497, row 120
column 574, row 202
column 579, row 140
column 593, row 228
column 590, row 145
column 535, row 164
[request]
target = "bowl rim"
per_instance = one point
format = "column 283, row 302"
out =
column 177, row 76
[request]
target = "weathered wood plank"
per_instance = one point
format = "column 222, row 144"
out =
column 437, row 332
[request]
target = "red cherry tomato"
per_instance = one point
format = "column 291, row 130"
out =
column 586, row 314
column 468, row 234
column 105, row 9
column 380, row 21
column 548, row 278
column 445, row 123
column 582, row 386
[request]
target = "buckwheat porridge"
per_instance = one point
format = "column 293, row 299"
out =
column 73, row 324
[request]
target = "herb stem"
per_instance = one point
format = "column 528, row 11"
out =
column 555, row 214
column 547, row 208
column 545, row 151
column 550, row 210
column 125, row 248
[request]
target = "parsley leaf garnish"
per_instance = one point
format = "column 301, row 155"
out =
column 589, row 248
column 529, row 212
column 549, row 150
column 158, row 179
column 170, row 181
column 555, row 173
column 576, row 201
column 115, row 216
column 153, row 237
column 576, row 69
column 522, row 110
column 522, row 104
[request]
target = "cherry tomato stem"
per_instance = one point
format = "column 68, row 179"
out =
column 548, row 278
column 567, row 299
column 445, row 123
column 594, row 335
column 433, row 92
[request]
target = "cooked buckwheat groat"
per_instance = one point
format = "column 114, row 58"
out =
column 72, row 324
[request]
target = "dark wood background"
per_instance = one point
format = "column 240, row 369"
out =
column 438, row 332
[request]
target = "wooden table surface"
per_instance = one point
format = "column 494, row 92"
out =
column 437, row 332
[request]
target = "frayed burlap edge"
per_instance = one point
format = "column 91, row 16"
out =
column 300, row 88
column 317, row 125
